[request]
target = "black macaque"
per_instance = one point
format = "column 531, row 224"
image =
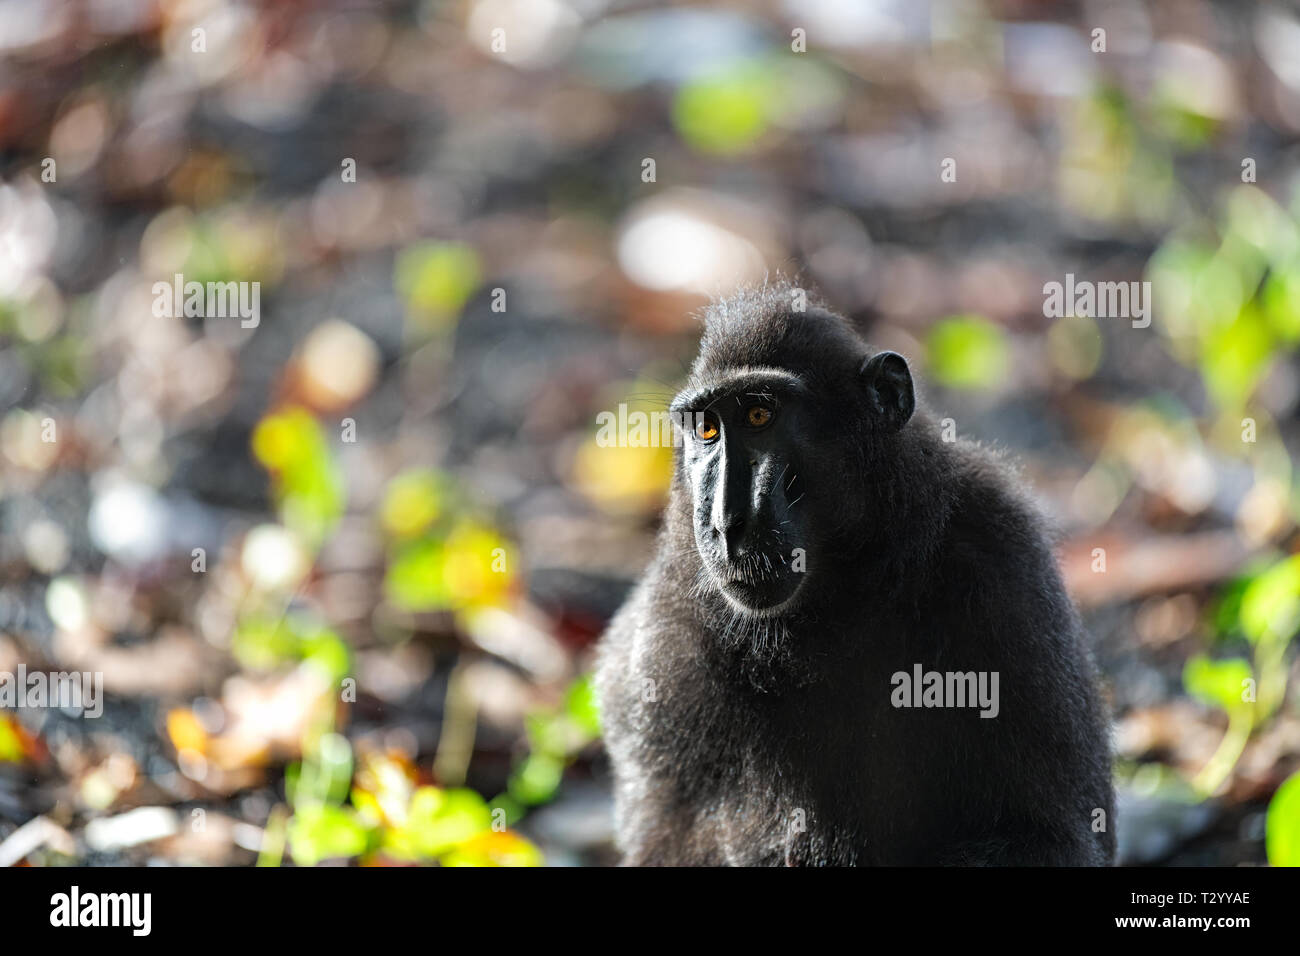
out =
column 853, row 645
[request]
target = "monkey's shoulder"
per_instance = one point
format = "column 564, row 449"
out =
column 995, row 566
column 993, row 521
column 642, row 649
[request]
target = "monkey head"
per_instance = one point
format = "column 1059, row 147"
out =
column 779, row 432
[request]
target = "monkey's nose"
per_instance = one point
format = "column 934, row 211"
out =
column 730, row 530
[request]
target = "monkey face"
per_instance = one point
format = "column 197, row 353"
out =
column 742, row 463
column 774, row 472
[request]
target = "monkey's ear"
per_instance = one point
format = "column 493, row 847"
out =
column 889, row 385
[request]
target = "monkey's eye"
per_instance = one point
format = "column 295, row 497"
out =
column 706, row 428
column 758, row 415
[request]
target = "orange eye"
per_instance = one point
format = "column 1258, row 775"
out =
column 758, row 415
column 706, row 429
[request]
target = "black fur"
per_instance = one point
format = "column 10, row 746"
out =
column 756, row 739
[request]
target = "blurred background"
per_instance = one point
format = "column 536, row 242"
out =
column 341, row 569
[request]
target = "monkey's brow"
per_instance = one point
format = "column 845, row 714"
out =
column 756, row 382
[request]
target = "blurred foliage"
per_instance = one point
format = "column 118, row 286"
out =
column 1282, row 827
column 392, row 818
column 626, row 467
column 1267, row 613
column 1110, row 170
column 967, row 351
column 726, row 112
column 464, row 567
column 11, row 744
column 320, row 832
column 555, row 737
column 1075, row 346
column 307, row 484
column 261, row 643
column 1231, row 308
column 1221, row 683
column 413, row 501
column 441, row 556
column 435, row 280
column 622, row 477
column 235, row 243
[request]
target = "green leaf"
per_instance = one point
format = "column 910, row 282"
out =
column 329, row 653
column 435, row 280
column 1280, row 300
column 325, row 774
column 1235, row 358
column 1270, row 605
column 537, row 779
column 967, row 351
column 261, row 643
column 1225, row 613
column 307, row 483
column 437, row 821
column 1221, row 683
column 412, row 502
column 321, row 832
column 580, row 705
column 415, row 580
column 494, row 849
column 723, row 113
column 468, row 569
column 1282, row 825
column 547, row 732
